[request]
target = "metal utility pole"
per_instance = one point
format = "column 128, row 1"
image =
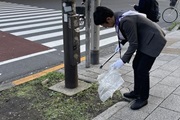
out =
column 95, row 36
column 71, row 39
column 88, row 21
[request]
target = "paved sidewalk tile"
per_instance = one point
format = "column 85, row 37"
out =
column 111, row 111
column 160, row 73
column 169, row 67
column 127, row 78
column 154, row 81
column 159, row 62
column 155, row 100
column 175, row 45
column 175, row 61
column 167, row 57
column 171, row 81
column 162, row 91
column 149, row 108
column 177, row 91
column 172, row 103
column 163, row 114
column 176, row 73
column 127, row 114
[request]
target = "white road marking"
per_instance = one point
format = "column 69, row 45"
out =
column 23, row 16
column 26, row 56
column 29, row 26
column 55, row 34
column 32, row 21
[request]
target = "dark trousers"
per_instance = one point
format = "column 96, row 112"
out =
column 142, row 64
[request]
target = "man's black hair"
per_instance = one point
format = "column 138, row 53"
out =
column 101, row 13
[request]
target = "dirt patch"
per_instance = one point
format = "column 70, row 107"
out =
column 16, row 108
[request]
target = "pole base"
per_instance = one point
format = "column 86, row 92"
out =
column 59, row 87
column 94, row 57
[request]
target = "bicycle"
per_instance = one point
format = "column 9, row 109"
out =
column 171, row 13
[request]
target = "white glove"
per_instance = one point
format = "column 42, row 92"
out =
column 118, row 64
column 117, row 48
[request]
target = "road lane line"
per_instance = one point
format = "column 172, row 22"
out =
column 26, row 56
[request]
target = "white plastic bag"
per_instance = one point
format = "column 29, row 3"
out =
column 109, row 82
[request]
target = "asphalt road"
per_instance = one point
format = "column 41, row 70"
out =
column 22, row 68
column 115, row 5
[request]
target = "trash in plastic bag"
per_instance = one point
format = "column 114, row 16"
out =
column 109, row 82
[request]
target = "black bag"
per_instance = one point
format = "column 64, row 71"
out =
column 154, row 13
column 173, row 3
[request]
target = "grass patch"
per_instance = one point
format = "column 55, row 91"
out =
column 34, row 97
column 173, row 25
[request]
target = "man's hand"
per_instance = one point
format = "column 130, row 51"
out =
column 118, row 48
column 118, row 64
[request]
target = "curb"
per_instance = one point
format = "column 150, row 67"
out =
column 6, row 86
column 20, row 81
column 111, row 111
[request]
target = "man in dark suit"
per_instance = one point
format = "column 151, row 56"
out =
column 173, row 3
column 145, row 38
column 150, row 8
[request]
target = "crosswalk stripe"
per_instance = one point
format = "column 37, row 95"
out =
column 38, row 30
column 53, row 43
column 102, row 42
column 11, row 17
column 5, row 4
column 29, row 26
column 45, row 36
column 55, row 34
column 26, row 12
column 13, row 6
column 15, row 9
column 31, row 21
column 82, row 37
column 26, row 32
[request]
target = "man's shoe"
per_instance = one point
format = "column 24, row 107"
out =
column 138, row 104
column 131, row 95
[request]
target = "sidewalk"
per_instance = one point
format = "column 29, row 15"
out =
column 164, row 100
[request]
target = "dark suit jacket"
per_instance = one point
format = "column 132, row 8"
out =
column 142, row 35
